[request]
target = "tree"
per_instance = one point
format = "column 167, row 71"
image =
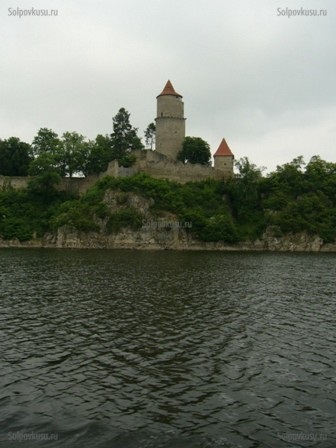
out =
column 124, row 138
column 318, row 169
column 46, row 150
column 45, row 184
column 73, row 153
column 15, row 157
column 288, row 178
column 320, row 176
column 150, row 135
column 65, row 156
column 100, row 154
column 46, row 141
column 247, row 170
column 245, row 196
column 195, row 150
column 42, row 164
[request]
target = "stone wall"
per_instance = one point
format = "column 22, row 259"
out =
column 150, row 162
column 77, row 185
column 14, row 182
column 159, row 166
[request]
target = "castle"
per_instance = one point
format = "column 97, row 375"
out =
column 170, row 133
column 160, row 163
column 170, row 130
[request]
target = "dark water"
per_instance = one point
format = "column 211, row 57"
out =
column 162, row 349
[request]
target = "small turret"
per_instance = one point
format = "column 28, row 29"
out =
column 224, row 158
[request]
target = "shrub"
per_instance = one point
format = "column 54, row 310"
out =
column 124, row 218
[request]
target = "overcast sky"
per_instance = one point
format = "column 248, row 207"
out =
column 264, row 81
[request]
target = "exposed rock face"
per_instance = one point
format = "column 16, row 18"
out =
column 291, row 242
column 127, row 239
column 116, row 201
column 173, row 238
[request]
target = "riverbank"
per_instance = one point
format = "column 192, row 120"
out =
column 140, row 212
column 167, row 239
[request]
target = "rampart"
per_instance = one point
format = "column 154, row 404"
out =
column 161, row 167
column 77, row 185
column 150, row 162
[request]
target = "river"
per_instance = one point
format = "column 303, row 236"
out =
column 126, row 349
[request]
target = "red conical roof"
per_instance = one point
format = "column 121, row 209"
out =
column 169, row 90
column 223, row 150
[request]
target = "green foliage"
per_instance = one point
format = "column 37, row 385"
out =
column 77, row 214
column 46, row 164
column 45, row 184
column 302, row 200
column 127, row 217
column 15, row 157
column 16, row 228
column 219, row 227
column 100, row 154
column 124, row 137
column 150, row 134
column 244, row 192
column 45, row 142
column 127, row 160
column 195, row 150
column 66, row 156
column 24, row 213
column 73, row 154
column 199, row 205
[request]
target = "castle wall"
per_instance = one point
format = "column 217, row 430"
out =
column 161, row 167
column 74, row 185
column 77, row 185
column 150, row 162
column 15, row 182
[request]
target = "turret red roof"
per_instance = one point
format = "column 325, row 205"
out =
column 169, row 90
column 223, row 150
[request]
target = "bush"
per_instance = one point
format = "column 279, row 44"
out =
column 124, row 218
column 15, row 228
column 76, row 214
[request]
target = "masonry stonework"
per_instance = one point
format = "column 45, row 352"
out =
column 224, row 159
column 170, row 122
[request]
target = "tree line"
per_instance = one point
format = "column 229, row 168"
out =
column 72, row 154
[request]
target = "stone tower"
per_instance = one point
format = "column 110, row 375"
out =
column 170, row 122
column 224, row 159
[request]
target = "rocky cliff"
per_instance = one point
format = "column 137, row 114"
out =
column 160, row 232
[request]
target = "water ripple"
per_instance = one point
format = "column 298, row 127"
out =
column 146, row 349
